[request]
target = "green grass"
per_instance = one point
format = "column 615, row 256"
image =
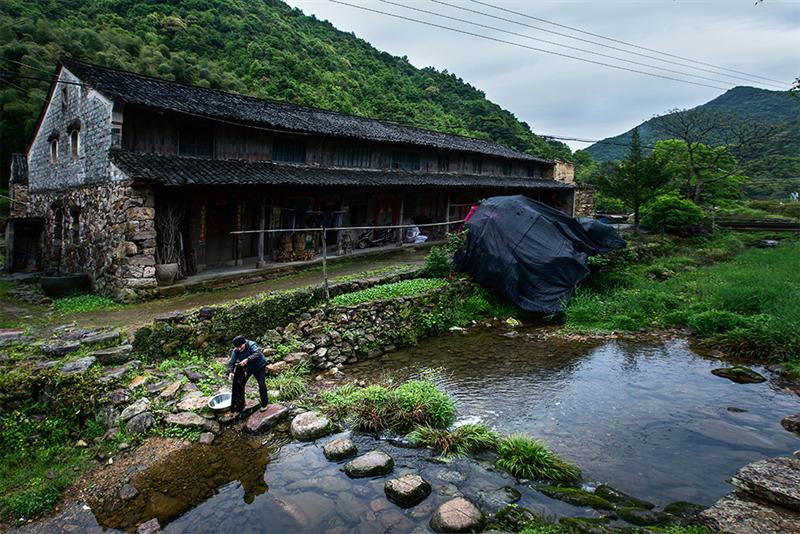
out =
column 406, row 288
column 374, row 408
column 525, row 457
column 291, row 383
column 84, row 303
column 465, row 439
column 747, row 303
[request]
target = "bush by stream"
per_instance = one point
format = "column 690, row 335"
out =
column 744, row 301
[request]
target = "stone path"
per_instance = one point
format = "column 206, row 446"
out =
column 766, row 500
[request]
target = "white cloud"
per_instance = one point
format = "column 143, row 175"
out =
column 562, row 96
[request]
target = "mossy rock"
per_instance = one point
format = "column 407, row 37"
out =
column 576, row 496
column 622, row 499
column 585, row 524
column 739, row 374
column 684, row 510
column 646, row 518
column 513, row 518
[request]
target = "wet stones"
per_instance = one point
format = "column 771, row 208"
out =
column 140, row 406
column 81, row 365
column 576, row 496
column 205, row 438
column 739, row 515
column 791, row 423
column 457, row 515
column 619, row 498
column 113, row 355
column 260, row 421
column 192, row 420
column 684, row 510
column 309, row 426
column 150, row 527
column 339, row 449
column 640, row 517
column 60, row 348
column 739, row 374
column 373, row 463
column 775, row 480
column 192, row 401
column 407, row 490
column 128, row 492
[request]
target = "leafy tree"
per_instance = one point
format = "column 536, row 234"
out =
column 635, row 180
column 672, row 214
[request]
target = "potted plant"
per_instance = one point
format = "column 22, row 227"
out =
column 168, row 249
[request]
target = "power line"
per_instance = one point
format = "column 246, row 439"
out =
column 538, row 28
column 584, row 50
column 488, row 38
column 15, row 75
column 20, row 63
column 11, row 83
column 621, row 42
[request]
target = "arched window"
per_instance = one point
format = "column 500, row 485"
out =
column 54, row 151
column 74, row 139
column 64, row 97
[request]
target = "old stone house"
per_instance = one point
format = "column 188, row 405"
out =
column 115, row 154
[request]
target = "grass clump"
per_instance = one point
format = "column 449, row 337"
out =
column 465, row 439
column 84, row 303
column 375, row 408
column 406, row 288
column 291, row 383
column 525, row 457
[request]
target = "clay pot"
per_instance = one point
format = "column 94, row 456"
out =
column 166, row 273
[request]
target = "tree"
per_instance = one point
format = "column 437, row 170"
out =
column 635, row 180
column 711, row 141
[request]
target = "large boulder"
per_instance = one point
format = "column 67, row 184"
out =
column 140, row 406
column 738, row 514
column 408, row 490
column 791, row 423
column 739, row 374
column 139, row 424
column 310, row 426
column 339, row 449
column 373, row 463
column 776, row 480
column 260, row 421
column 457, row 515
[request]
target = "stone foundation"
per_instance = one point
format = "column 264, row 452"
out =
column 105, row 230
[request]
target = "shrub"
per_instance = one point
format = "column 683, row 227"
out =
column 673, row 215
column 524, row 457
column 468, row 438
column 438, row 263
column 406, row 288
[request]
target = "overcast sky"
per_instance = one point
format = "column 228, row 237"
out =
column 562, row 96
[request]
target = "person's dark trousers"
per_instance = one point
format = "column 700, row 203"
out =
column 262, row 386
column 237, row 391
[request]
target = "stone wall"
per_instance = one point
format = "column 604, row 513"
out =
column 211, row 328
column 564, row 172
column 584, row 201
column 71, row 107
column 105, row 230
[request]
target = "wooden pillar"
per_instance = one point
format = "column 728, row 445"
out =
column 401, row 231
column 447, row 215
column 325, row 265
column 262, row 226
column 237, row 242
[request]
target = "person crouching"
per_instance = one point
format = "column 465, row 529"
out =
column 246, row 360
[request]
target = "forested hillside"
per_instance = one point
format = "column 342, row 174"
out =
column 259, row 47
column 773, row 169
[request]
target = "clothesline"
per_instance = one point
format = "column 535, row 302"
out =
column 339, row 228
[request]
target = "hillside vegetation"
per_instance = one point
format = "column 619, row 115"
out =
column 773, row 169
column 262, row 48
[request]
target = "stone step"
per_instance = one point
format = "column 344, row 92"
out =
column 114, row 355
column 260, row 421
column 738, row 514
column 775, row 480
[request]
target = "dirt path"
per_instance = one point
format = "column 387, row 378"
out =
column 135, row 315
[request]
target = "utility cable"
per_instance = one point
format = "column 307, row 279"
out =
column 538, row 28
column 584, row 50
column 620, row 41
column 488, row 38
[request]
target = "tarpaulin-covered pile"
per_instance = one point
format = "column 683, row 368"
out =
column 531, row 253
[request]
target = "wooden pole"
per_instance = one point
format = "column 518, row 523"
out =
column 263, row 222
column 447, row 217
column 325, row 265
column 400, row 221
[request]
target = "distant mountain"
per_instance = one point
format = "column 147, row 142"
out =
column 774, row 172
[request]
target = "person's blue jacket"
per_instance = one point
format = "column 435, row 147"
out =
column 256, row 361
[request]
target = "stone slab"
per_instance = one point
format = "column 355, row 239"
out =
column 260, row 421
column 776, row 480
column 736, row 514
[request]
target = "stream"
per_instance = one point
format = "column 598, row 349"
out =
column 646, row 418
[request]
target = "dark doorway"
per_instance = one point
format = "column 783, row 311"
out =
column 220, row 222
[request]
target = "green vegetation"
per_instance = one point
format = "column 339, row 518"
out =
column 291, row 383
column 375, row 407
column 525, row 457
column 439, row 262
column 673, row 215
column 406, row 288
column 468, row 438
column 747, row 305
column 264, row 49
column 84, row 303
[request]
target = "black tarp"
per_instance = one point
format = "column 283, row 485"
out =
column 531, row 253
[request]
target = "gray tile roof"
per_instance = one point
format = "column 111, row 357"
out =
column 182, row 171
column 171, row 96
